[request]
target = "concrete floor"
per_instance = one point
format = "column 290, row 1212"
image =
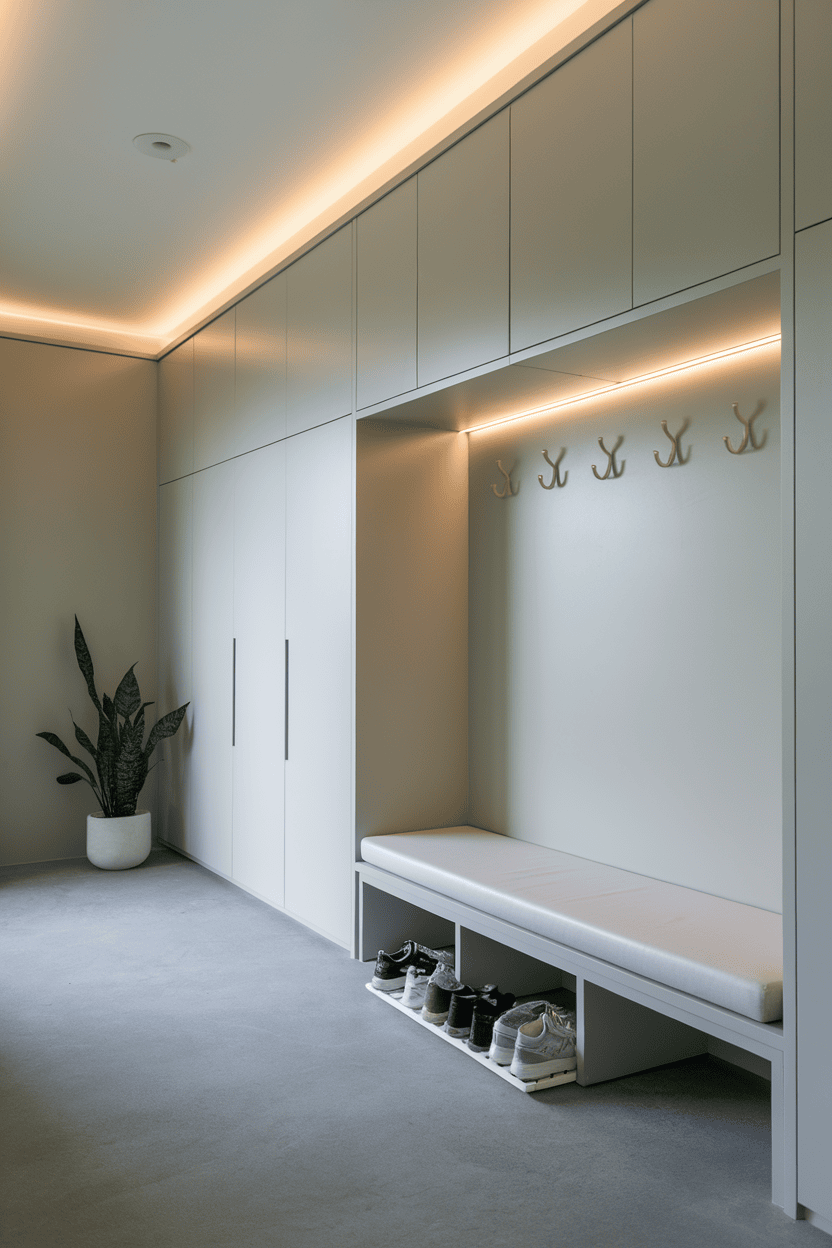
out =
column 185, row 1067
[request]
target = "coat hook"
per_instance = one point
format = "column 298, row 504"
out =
column 677, row 450
column 611, row 460
column 748, row 434
column 507, row 490
column 556, row 479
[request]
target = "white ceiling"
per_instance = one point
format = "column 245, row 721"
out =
column 296, row 112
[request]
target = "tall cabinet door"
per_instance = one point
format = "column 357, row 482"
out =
column 259, row 683
column 813, row 578
column 174, row 674
column 318, row 629
column 208, row 836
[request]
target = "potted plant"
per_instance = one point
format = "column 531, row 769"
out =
column 118, row 835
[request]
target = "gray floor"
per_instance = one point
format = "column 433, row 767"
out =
column 184, row 1066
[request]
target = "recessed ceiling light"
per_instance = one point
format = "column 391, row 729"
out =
column 162, row 146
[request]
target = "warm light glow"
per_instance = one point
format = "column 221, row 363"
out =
column 15, row 314
column 614, row 387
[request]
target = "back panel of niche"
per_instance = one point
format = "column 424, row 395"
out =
column 625, row 636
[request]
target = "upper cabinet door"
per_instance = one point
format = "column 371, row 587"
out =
column 463, row 254
column 812, row 112
column 319, row 350
column 260, row 367
column 571, row 194
column 386, row 304
column 214, row 432
column 176, row 413
column 706, row 140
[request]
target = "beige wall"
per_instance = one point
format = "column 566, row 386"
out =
column 77, row 535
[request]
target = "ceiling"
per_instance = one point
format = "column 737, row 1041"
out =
column 297, row 112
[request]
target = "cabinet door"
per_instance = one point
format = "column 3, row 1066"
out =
column 319, row 334
column 706, row 140
column 260, row 367
column 318, row 627
column 571, row 194
column 176, row 413
column 813, row 576
column 208, row 836
column 463, row 254
column 259, row 633
column 812, row 112
column 214, row 437
column 174, row 677
column 386, row 298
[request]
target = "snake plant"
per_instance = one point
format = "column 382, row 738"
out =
column 121, row 756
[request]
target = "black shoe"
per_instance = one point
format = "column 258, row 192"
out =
column 486, row 1012
column 391, row 968
column 461, row 1010
column 441, row 987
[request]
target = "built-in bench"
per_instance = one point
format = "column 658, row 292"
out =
column 660, row 972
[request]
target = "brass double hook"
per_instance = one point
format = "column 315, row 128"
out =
column 507, row 490
column 748, row 435
column 556, row 479
column 676, row 453
column 611, row 467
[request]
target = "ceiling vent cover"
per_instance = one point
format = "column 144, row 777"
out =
column 162, row 146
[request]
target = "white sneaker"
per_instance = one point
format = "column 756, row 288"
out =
column 543, row 1047
column 415, row 987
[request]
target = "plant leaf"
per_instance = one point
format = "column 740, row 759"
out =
column 109, row 709
column 84, row 741
column 59, row 745
column 70, row 777
column 127, row 699
column 84, row 658
column 106, row 759
column 165, row 727
column 131, row 770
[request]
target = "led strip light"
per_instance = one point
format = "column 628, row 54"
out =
column 614, row 387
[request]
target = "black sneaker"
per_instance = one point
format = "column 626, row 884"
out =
column 441, row 987
column 461, row 1010
column 486, row 1012
column 391, row 968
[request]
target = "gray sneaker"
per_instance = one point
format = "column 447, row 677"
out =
column 543, row 1047
column 440, row 988
column 506, row 1028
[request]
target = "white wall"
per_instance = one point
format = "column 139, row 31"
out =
column 77, row 535
column 625, row 637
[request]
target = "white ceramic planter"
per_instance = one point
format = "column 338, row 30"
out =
column 116, row 844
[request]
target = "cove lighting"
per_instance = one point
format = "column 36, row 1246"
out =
column 614, row 387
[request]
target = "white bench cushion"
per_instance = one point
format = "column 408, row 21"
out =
column 721, row 951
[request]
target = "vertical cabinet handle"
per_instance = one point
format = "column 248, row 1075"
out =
column 286, row 707
column 234, row 691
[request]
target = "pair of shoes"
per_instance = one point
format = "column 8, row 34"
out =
column 439, row 992
column 506, row 1028
column 487, row 1009
column 461, row 1012
column 540, row 1039
column 391, row 968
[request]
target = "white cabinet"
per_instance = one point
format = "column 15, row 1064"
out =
column 208, row 833
column 259, row 631
column 319, row 851
column 260, row 367
column 174, row 654
column 813, row 580
column 571, row 194
column 463, row 254
column 214, row 426
column 706, row 140
column 319, row 354
column 812, row 112
column 176, row 413
column 386, row 297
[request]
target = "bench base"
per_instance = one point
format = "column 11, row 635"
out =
column 625, row 1023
